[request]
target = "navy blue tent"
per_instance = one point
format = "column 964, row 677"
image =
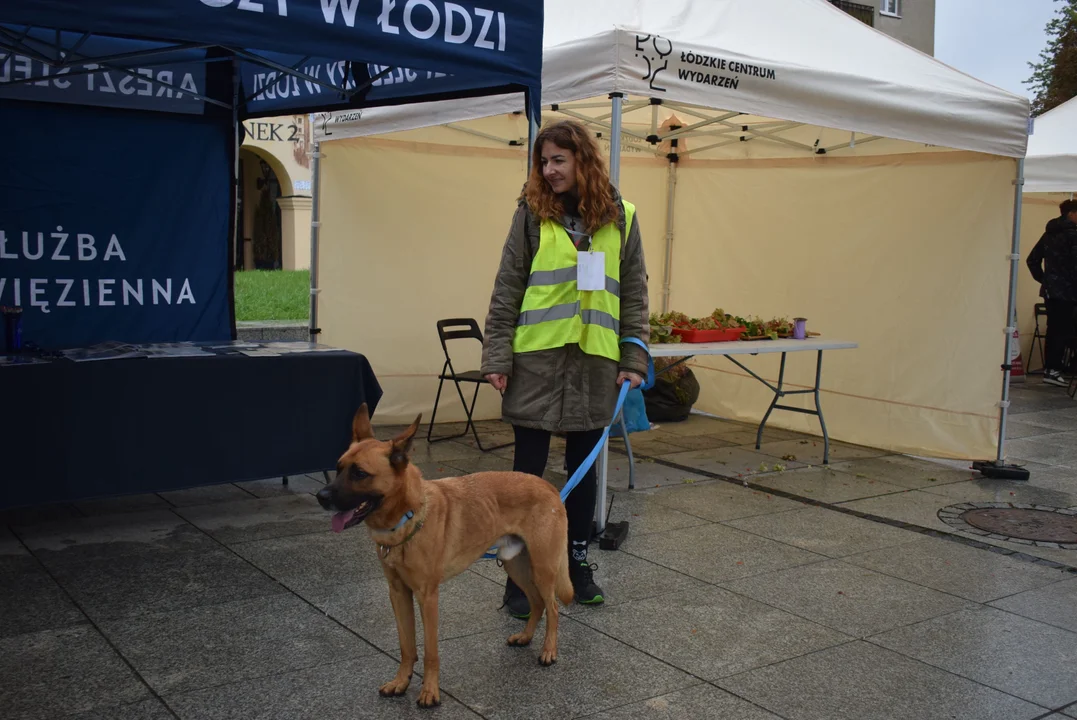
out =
column 476, row 47
column 117, row 216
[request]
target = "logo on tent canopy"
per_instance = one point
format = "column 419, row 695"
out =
column 325, row 118
column 655, row 50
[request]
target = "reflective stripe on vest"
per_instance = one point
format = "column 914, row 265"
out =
column 554, row 313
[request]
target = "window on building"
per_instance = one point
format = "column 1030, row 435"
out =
column 891, row 7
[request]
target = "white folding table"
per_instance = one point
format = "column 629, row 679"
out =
column 729, row 350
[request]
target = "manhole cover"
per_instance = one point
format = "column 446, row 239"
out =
column 1039, row 525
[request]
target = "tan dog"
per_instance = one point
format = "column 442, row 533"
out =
column 428, row 531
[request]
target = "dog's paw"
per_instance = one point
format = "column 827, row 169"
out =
column 395, row 688
column 428, row 698
column 519, row 640
column 547, row 658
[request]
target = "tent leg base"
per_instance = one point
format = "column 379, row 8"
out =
column 998, row 470
column 615, row 534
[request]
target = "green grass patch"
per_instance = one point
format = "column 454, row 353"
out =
column 272, row 295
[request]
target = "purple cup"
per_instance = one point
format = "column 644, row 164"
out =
column 800, row 328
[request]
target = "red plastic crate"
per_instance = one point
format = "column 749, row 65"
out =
column 706, row 336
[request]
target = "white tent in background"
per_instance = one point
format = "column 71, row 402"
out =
column 1050, row 178
column 799, row 60
column 784, row 158
column 1051, row 163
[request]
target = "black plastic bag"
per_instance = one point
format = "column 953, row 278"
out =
column 671, row 399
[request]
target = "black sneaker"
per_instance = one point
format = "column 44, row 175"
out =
column 583, row 582
column 515, row 600
column 1054, row 377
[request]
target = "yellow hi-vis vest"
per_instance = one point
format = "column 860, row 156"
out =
column 554, row 313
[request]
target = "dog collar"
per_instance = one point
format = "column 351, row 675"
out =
column 403, row 521
column 383, row 550
column 407, row 516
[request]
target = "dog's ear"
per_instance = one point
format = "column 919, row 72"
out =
column 361, row 429
column 398, row 456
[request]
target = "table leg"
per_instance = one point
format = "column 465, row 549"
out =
column 602, row 458
column 773, row 403
column 819, row 409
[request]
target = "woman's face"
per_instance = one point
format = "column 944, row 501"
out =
column 558, row 167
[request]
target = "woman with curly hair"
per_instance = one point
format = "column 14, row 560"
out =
column 572, row 283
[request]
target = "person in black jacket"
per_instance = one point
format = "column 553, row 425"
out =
column 1053, row 263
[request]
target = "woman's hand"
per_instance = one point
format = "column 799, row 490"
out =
column 499, row 381
column 633, row 378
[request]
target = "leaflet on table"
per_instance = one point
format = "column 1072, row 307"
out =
column 234, row 345
column 179, row 349
column 299, row 347
column 7, row 360
column 104, row 351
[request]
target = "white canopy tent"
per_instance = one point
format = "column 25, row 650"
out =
column 799, row 60
column 729, row 118
column 1051, row 162
column 1050, row 178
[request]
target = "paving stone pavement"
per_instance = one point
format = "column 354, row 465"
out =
column 809, row 593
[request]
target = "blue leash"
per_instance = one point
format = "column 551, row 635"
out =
column 577, row 476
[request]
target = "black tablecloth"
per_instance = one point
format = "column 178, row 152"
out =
column 73, row 431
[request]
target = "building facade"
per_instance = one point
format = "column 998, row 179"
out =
column 275, row 194
column 910, row 21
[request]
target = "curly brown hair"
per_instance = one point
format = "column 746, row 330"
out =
column 596, row 204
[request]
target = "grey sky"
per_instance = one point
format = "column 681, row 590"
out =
column 993, row 40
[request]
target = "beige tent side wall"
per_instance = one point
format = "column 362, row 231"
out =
column 903, row 254
column 1036, row 210
column 412, row 233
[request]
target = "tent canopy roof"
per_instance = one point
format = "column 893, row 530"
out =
column 461, row 48
column 803, row 61
column 1051, row 165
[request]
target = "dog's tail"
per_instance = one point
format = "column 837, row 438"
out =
column 565, row 591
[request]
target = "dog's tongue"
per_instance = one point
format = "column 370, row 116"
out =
column 340, row 520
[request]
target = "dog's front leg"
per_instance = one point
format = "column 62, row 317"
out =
column 429, row 695
column 404, row 610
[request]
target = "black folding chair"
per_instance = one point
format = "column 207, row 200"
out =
column 459, row 329
column 1037, row 341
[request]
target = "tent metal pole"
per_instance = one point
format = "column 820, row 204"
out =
column 532, row 133
column 315, row 225
column 998, row 468
column 670, row 199
column 1011, row 308
column 237, row 241
column 615, row 139
column 615, row 176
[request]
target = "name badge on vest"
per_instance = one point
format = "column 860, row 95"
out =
column 591, row 271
